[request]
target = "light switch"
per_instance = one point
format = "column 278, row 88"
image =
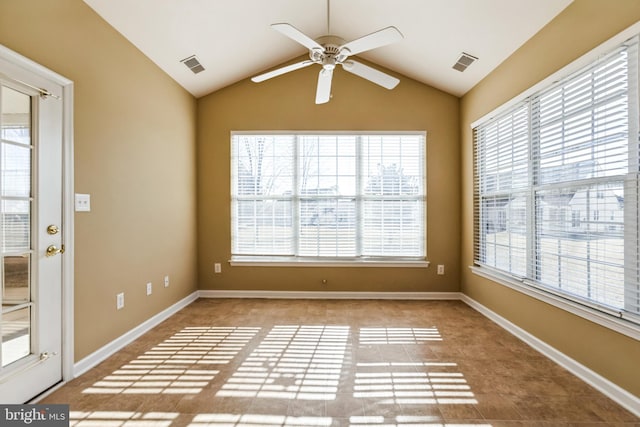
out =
column 83, row 202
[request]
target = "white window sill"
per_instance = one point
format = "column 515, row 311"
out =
column 249, row 261
column 602, row 318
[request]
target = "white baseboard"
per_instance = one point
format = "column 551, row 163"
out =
column 109, row 349
column 331, row 295
column 611, row 390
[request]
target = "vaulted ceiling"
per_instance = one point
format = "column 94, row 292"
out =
column 233, row 39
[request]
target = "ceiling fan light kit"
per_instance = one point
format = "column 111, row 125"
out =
column 330, row 51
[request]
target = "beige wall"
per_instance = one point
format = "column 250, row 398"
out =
column 581, row 27
column 134, row 153
column 287, row 103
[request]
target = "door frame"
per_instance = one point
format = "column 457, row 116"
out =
column 68, row 212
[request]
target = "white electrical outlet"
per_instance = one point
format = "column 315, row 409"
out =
column 83, row 202
column 149, row 288
column 217, row 268
column 166, row 281
column 440, row 269
column 120, row 301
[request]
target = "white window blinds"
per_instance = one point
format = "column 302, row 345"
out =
column 263, row 175
column 503, row 179
column 556, row 198
column 325, row 196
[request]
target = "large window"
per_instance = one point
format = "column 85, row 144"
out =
column 556, row 197
column 345, row 197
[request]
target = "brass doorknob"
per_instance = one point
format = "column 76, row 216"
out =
column 52, row 250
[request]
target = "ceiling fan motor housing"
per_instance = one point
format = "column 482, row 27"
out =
column 332, row 53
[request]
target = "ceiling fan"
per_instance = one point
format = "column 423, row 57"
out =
column 330, row 51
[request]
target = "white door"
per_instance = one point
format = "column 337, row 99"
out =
column 30, row 234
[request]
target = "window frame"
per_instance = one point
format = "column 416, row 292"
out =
column 628, row 325
column 296, row 260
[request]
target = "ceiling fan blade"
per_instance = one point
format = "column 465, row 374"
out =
column 371, row 74
column 323, row 92
column 372, row 41
column 296, row 35
column 279, row 71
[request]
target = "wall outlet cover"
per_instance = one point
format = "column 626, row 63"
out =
column 83, row 202
column 120, row 301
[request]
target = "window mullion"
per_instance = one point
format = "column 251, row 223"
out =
column 423, row 198
column 359, row 199
column 295, row 196
column 533, row 245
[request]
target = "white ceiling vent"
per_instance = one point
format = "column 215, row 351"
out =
column 464, row 61
column 193, row 64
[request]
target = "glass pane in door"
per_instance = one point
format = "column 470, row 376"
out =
column 16, row 116
column 16, row 341
column 16, row 272
column 15, row 219
column 16, row 171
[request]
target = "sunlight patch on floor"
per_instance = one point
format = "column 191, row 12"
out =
column 407, row 420
column 255, row 420
column 178, row 365
column 399, row 335
column 440, row 383
column 292, row 362
column 121, row 419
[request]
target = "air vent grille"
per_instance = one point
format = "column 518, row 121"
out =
column 193, row 64
column 464, row 61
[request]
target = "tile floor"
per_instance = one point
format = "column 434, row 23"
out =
column 332, row 363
